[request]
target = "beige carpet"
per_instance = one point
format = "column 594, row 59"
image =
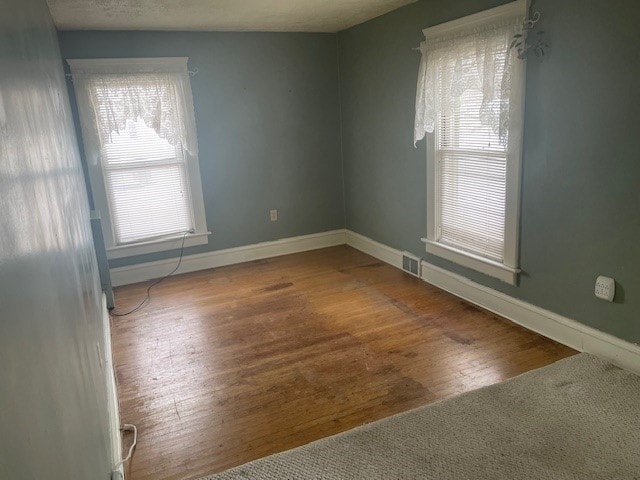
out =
column 576, row 419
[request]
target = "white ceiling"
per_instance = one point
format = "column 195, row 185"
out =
column 218, row 15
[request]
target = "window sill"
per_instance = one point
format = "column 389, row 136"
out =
column 480, row 264
column 159, row 245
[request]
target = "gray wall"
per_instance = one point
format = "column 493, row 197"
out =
column 53, row 412
column 581, row 180
column 268, row 119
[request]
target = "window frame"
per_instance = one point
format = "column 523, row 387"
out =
column 97, row 180
column 508, row 270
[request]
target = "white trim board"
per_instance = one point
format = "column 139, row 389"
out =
column 229, row 256
column 375, row 249
column 513, row 9
column 112, row 395
column 561, row 329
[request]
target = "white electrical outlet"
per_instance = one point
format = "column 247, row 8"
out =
column 273, row 214
column 605, row 288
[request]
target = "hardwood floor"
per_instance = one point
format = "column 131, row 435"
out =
column 228, row 365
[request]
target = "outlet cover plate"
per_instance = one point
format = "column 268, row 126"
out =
column 605, row 288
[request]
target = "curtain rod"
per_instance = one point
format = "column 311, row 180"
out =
column 192, row 73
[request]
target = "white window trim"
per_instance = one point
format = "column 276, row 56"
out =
column 158, row 245
column 200, row 234
column 508, row 270
column 493, row 14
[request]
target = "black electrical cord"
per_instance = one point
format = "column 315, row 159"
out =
column 156, row 282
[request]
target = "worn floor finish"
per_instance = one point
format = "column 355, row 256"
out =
column 232, row 364
column 574, row 420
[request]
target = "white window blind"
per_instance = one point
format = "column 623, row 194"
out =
column 147, row 185
column 471, row 172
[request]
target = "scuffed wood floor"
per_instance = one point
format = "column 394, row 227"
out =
column 228, row 365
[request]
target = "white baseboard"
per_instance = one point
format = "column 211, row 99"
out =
column 115, row 435
column 561, row 329
column 201, row 261
column 375, row 249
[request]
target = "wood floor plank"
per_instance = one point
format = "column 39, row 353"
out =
column 227, row 365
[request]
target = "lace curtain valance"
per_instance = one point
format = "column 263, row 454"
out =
column 158, row 91
column 473, row 58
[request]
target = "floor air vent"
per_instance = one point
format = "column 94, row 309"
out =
column 411, row 264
